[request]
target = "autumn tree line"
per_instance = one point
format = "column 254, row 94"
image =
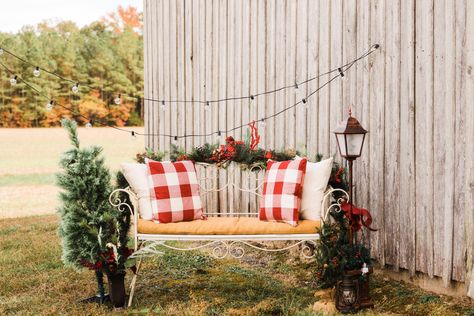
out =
column 106, row 55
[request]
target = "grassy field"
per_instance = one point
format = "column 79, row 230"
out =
column 35, row 282
column 29, row 159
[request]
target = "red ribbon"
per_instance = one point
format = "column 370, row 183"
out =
column 255, row 137
column 359, row 216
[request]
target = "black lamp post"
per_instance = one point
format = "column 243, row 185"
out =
column 350, row 136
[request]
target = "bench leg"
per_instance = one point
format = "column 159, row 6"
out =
column 134, row 280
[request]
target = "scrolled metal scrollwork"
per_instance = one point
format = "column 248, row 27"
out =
column 221, row 249
column 115, row 201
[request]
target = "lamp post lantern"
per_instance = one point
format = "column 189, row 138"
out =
column 350, row 136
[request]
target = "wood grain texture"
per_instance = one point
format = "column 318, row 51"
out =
column 407, row 138
column 413, row 95
column 376, row 136
column 392, row 134
column 469, row 184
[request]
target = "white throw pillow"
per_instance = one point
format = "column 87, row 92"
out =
column 315, row 184
column 137, row 177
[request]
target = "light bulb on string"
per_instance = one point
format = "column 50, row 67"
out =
column 134, row 136
column 341, row 73
column 207, row 107
column 162, row 106
column 75, row 88
column 89, row 124
column 13, row 80
column 175, row 140
column 262, row 123
column 36, row 72
column 305, row 103
column 50, row 105
column 296, row 86
column 118, row 99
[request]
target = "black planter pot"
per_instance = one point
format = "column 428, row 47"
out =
column 117, row 289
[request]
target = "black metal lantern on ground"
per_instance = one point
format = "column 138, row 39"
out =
column 350, row 136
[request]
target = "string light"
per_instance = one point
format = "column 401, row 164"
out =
column 118, row 99
column 340, row 72
column 296, row 85
column 371, row 50
column 262, row 122
column 162, row 106
column 13, row 80
column 252, row 97
column 134, row 136
column 50, row 105
column 36, row 72
column 207, row 107
column 175, row 140
column 305, row 103
column 75, row 88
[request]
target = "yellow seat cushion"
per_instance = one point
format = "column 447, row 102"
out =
column 226, row 226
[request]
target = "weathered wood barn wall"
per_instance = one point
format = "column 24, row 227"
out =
column 415, row 96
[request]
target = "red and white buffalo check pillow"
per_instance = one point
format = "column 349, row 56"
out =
column 282, row 191
column 174, row 191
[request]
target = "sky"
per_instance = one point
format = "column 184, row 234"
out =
column 14, row 14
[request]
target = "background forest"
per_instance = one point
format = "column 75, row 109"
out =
column 106, row 55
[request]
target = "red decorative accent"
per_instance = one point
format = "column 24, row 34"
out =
column 338, row 174
column 359, row 217
column 255, row 136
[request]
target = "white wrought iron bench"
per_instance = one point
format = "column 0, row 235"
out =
column 226, row 233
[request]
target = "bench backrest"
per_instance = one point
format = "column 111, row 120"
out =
column 230, row 191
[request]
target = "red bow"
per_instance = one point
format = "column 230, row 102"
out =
column 359, row 216
column 255, row 137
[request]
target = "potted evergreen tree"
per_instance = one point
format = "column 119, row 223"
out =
column 93, row 233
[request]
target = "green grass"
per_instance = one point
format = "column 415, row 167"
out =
column 29, row 160
column 35, row 282
column 27, row 179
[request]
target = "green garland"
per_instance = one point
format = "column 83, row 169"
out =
column 335, row 254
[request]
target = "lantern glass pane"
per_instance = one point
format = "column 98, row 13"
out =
column 341, row 140
column 354, row 144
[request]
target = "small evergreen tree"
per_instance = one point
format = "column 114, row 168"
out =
column 93, row 233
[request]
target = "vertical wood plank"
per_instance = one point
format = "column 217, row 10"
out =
column 376, row 136
column 180, row 74
column 190, row 109
column 232, row 57
column 336, row 106
column 324, row 66
column 198, row 59
column 301, row 74
column 280, row 73
column 146, row 60
column 222, row 92
column 261, row 66
column 290, row 57
column 469, row 184
column 459, row 249
column 153, row 79
column 424, row 136
column 312, row 123
column 445, row 116
column 253, row 89
column 216, row 125
column 161, row 76
column 362, row 107
column 392, row 134
column 270, row 76
column 407, row 138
